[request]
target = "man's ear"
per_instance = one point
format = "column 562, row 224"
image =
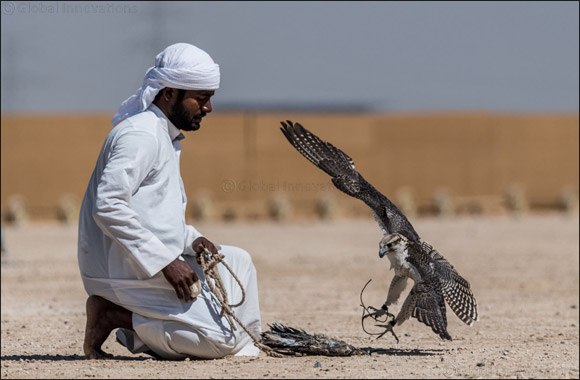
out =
column 168, row 94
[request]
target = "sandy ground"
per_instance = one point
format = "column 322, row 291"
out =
column 524, row 273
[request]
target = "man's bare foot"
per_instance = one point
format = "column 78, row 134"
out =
column 103, row 316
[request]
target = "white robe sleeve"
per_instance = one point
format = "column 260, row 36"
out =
column 190, row 235
column 132, row 157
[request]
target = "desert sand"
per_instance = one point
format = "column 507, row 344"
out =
column 523, row 271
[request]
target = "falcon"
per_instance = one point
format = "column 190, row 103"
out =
column 436, row 281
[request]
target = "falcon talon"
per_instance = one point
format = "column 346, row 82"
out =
column 377, row 313
column 388, row 328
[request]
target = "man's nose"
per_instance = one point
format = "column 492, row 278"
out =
column 207, row 107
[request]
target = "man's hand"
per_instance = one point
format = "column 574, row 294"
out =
column 199, row 244
column 181, row 276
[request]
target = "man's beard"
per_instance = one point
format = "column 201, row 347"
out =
column 180, row 118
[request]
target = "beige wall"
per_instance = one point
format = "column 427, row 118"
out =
column 243, row 160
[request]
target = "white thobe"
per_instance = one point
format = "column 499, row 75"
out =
column 132, row 225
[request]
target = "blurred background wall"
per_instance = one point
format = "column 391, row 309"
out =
column 445, row 107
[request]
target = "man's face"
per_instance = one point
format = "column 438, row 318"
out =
column 189, row 108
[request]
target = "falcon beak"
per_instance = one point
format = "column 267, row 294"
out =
column 382, row 252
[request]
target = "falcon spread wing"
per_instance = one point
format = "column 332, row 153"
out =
column 340, row 167
column 456, row 289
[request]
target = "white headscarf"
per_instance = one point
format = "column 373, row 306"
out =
column 182, row 66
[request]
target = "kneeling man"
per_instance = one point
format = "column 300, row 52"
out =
column 136, row 255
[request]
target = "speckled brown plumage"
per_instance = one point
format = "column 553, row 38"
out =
column 436, row 281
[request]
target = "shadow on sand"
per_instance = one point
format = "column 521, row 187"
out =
column 66, row 358
column 402, row 352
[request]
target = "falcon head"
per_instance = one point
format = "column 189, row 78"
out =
column 393, row 243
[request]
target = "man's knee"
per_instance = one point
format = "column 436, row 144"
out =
column 236, row 254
